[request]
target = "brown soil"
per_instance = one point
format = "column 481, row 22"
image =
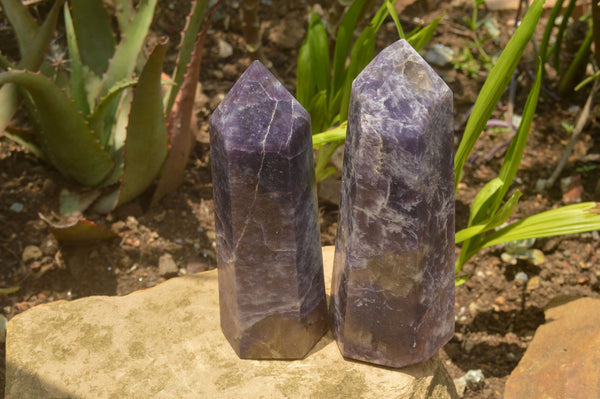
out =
column 496, row 314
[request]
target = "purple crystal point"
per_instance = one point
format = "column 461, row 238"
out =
column 271, row 287
column 393, row 279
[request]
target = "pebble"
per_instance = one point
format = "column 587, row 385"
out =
column 224, row 48
column 521, row 278
column 473, row 309
column 533, row 283
column 439, row 55
column 49, row 246
column 461, row 385
column 31, row 253
column 474, row 379
column 167, row 266
column 16, row 207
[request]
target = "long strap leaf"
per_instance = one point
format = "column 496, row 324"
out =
column 22, row 22
column 78, row 93
column 495, row 84
column 65, row 136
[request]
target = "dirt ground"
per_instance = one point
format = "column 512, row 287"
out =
column 496, row 313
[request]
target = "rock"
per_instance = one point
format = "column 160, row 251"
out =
column 474, row 379
column 393, row 282
column 31, row 253
column 439, row 55
column 165, row 342
column 329, row 191
column 572, row 189
column 49, row 245
column 167, row 266
column 16, row 207
column 225, row 49
column 563, row 359
column 533, row 283
column 272, row 292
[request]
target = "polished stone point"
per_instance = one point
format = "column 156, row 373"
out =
column 271, row 287
column 393, row 280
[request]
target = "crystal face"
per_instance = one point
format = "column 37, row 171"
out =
column 393, row 280
column 270, row 268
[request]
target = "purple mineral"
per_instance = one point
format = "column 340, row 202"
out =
column 393, row 280
column 271, row 286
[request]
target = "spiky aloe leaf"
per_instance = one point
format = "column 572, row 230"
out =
column 65, row 137
column 146, row 145
column 123, row 11
column 78, row 93
column 22, row 22
column 179, row 126
column 35, row 40
column 124, row 60
column 94, row 34
column 189, row 41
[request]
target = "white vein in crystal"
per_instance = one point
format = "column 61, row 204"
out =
column 262, row 162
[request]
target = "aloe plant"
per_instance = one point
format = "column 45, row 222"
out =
column 111, row 129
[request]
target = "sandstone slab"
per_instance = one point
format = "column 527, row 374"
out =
column 165, row 342
column 563, row 359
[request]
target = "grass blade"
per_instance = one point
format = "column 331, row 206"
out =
column 570, row 219
column 495, row 84
column 343, row 42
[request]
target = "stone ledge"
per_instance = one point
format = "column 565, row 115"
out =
column 165, row 342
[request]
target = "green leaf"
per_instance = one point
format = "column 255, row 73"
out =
column 514, row 154
column 319, row 52
column 318, row 112
column 491, row 223
column 32, row 57
column 544, row 53
column 343, row 42
column 146, row 145
column 570, row 219
column 78, row 93
column 482, row 202
column 9, row 97
column 125, row 57
column 179, row 127
column 71, row 202
column 97, row 117
column 65, row 136
column 420, row 39
column 32, row 54
column 561, row 34
column 362, row 53
column 22, row 22
column 94, row 34
column 306, row 85
column 188, row 43
column 460, row 280
column 495, row 84
column 330, row 136
column 392, row 11
column 581, row 58
column 123, row 11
